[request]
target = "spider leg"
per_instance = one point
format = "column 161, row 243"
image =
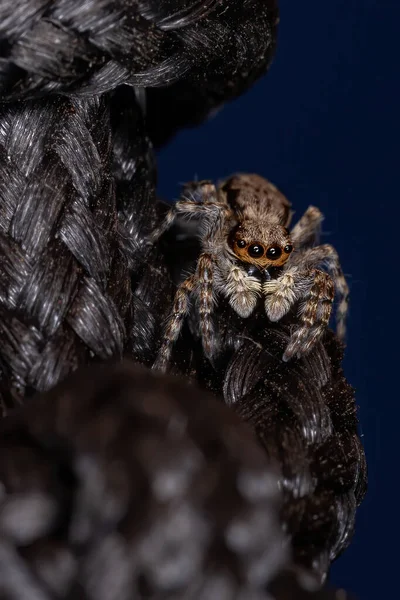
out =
column 211, row 228
column 200, row 192
column 203, row 279
column 307, row 229
column 212, row 211
column 314, row 316
column 283, row 292
column 175, row 322
column 167, row 222
column 206, row 303
column 202, row 202
column 327, row 256
column 184, row 207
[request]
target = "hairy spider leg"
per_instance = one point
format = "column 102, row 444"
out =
column 186, row 207
column 281, row 294
column 314, row 316
column 167, row 222
column 202, row 279
column 328, row 256
column 206, row 303
column 175, row 322
column 211, row 225
column 321, row 322
column 307, row 229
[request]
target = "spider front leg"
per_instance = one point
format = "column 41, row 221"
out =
column 314, row 316
column 315, row 288
column 283, row 292
column 326, row 255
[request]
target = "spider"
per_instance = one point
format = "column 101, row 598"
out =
column 247, row 252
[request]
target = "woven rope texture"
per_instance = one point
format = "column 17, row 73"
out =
column 87, row 88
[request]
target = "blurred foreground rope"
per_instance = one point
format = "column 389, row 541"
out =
column 123, row 484
column 78, row 284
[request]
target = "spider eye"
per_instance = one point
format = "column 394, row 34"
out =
column 274, row 253
column 241, row 243
column 255, row 250
column 288, row 249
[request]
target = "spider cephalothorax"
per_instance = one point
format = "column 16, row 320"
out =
column 261, row 245
column 243, row 225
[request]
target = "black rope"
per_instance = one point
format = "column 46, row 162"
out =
column 77, row 182
column 80, row 284
column 59, row 219
column 91, row 47
column 121, row 484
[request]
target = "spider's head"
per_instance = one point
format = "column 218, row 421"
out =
column 261, row 245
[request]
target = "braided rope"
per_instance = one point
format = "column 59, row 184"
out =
column 66, row 294
column 49, row 46
column 77, row 198
column 121, row 484
column 77, row 176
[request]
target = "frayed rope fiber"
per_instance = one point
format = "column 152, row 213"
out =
column 87, row 88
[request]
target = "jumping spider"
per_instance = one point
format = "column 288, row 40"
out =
column 244, row 238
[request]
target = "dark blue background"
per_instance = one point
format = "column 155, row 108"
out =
column 324, row 126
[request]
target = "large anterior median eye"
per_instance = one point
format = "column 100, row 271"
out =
column 256, row 250
column 274, row 253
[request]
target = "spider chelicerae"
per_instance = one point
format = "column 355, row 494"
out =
column 244, row 236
